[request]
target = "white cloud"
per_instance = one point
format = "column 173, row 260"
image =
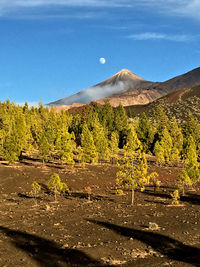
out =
column 188, row 8
column 160, row 36
column 10, row 5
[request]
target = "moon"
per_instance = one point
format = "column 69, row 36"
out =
column 102, row 60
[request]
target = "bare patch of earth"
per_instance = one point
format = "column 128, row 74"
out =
column 105, row 231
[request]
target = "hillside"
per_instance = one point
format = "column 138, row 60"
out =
column 177, row 103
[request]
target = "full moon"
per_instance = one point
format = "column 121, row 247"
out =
column 102, row 60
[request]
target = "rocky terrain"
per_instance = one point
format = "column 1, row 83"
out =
column 103, row 231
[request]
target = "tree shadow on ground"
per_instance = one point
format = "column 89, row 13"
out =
column 27, row 196
column 167, row 246
column 83, row 195
column 46, row 252
column 190, row 198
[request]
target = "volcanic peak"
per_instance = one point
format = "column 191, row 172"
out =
column 122, row 76
column 124, row 73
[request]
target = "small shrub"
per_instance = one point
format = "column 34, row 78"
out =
column 89, row 192
column 35, row 190
column 118, row 191
column 175, row 197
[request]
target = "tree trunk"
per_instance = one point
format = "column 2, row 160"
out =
column 183, row 190
column 132, row 197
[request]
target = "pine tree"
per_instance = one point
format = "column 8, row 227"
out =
column 190, row 174
column 166, row 143
column 100, row 141
column 76, row 128
column 177, row 141
column 44, row 147
column 160, row 119
column 65, row 146
column 106, row 117
column 114, row 149
column 145, row 132
column 132, row 141
column 121, row 124
column 57, row 186
column 87, row 144
column 14, row 134
column 163, row 148
column 131, row 176
column 159, row 152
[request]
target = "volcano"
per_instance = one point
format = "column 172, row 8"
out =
column 119, row 83
column 127, row 88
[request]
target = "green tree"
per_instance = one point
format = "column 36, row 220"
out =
column 131, row 176
column 132, row 141
column 87, row 144
column 159, row 152
column 57, row 186
column 106, row 117
column 36, row 188
column 161, row 120
column 177, row 141
column 190, row 174
column 65, row 146
column 100, row 141
column 145, row 132
column 13, row 134
column 121, row 124
column 163, row 148
column 114, row 149
column 44, row 147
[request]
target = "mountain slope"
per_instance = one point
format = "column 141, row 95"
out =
column 120, row 82
column 154, row 90
column 177, row 103
column 129, row 89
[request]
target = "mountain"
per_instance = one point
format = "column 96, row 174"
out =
column 129, row 89
column 117, row 84
column 178, row 103
column 154, row 90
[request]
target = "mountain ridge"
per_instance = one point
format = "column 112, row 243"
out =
column 127, row 88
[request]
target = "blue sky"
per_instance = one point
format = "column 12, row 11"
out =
column 50, row 49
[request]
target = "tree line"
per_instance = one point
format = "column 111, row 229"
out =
column 96, row 134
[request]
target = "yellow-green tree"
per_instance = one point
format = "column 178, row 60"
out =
column 114, row 149
column 57, row 185
column 13, row 134
column 190, row 174
column 134, row 176
column 177, row 141
column 100, row 141
column 64, row 143
column 87, row 143
column 163, row 147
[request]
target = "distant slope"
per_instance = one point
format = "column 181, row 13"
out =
column 177, row 103
column 187, row 80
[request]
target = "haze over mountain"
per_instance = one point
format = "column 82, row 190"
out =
column 120, row 82
column 129, row 89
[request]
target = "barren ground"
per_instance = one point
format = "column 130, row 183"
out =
column 105, row 231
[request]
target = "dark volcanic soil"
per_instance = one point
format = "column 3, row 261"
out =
column 105, row 231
